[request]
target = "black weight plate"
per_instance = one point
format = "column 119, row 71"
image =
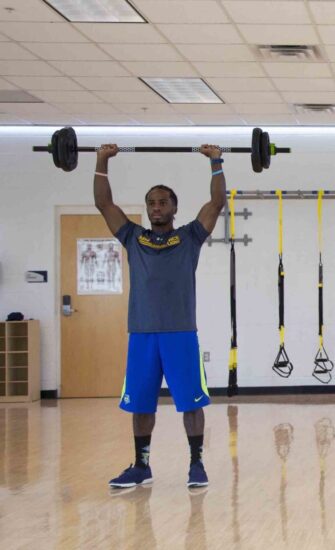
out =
column 67, row 149
column 256, row 150
column 265, row 150
column 54, row 147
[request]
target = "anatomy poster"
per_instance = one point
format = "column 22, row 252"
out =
column 99, row 266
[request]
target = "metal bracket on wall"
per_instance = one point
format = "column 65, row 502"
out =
column 226, row 240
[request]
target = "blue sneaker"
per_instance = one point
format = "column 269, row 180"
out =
column 197, row 476
column 132, row 476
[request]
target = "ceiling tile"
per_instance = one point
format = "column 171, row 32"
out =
column 178, row 11
column 309, row 97
column 251, row 97
column 279, row 34
column 44, row 83
column 159, row 108
column 83, row 68
column 203, row 109
column 151, row 119
column 8, row 119
column 327, row 33
column 106, row 120
column 24, row 109
column 301, row 84
column 257, row 12
column 66, row 97
column 216, row 120
column 41, row 32
column 210, row 52
column 112, row 84
column 5, row 85
column 10, row 50
column 28, row 10
column 59, row 119
column 147, row 96
column 91, row 108
column 323, row 12
column 27, row 68
column 316, row 119
column 264, row 108
column 154, row 68
column 241, row 84
column 142, row 52
column 229, row 69
column 201, row 34
column 330, row 52
column 68, row 52
column 298, row 70
column 120, row 33
column 270, row 120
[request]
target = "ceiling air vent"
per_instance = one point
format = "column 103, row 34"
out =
column 288, row 53
column 314, row 108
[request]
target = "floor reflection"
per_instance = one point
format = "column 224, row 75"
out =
column 134, row 504
column 283, row 438
column 324, row 436
column 232, row 412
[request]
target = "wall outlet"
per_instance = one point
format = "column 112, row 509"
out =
column 206, row 356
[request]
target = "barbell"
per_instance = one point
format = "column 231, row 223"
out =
column 64, row 149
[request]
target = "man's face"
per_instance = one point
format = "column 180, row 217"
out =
column 160, row 207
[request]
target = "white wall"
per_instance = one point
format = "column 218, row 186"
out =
column 32, row 189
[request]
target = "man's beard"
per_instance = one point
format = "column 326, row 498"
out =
column 162, row 220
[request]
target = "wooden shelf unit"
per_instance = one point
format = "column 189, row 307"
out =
column 19, row 361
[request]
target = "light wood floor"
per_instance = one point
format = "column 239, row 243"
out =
column 271, row 468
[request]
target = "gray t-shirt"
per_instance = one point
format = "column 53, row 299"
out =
column 162, row 276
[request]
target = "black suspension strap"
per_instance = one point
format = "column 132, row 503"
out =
column 322, row 364
column 282, row 365
column 232, row 379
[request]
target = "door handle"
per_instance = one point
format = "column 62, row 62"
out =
column 66, row 307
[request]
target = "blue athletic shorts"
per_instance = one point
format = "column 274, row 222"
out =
column 174, row 355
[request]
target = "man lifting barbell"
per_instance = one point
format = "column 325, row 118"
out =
column 162, row 312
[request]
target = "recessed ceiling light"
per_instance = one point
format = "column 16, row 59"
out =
column 182, row 90
column 97, row 11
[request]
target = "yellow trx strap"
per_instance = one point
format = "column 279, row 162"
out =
column 232, row 359
column 280, row 218
column 232, row 213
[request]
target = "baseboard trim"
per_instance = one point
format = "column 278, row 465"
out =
column 49, row 394
column 267, row 390
column 252, row 390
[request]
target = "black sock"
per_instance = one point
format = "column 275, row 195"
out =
column 196, row 444
column 142, row 450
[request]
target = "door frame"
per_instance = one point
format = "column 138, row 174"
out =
column 58, row 212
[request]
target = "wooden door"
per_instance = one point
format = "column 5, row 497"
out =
column 94, row 338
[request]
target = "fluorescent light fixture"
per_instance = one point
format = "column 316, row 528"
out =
column 97, row 11
column 182, row 90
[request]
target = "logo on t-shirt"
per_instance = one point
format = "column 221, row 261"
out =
column 151, row 242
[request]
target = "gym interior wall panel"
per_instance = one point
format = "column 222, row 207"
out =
column 32, row 188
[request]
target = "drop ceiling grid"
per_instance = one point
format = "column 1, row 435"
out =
column 38, row 46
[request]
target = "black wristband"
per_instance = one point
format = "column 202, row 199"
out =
column 217, row 160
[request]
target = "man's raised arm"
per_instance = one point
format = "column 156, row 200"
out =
column 114, row 216
column 210, row 212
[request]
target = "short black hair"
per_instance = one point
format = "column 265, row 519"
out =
column 172, row 194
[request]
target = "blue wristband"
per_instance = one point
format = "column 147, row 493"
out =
column 217, row 160
column 217, row 172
